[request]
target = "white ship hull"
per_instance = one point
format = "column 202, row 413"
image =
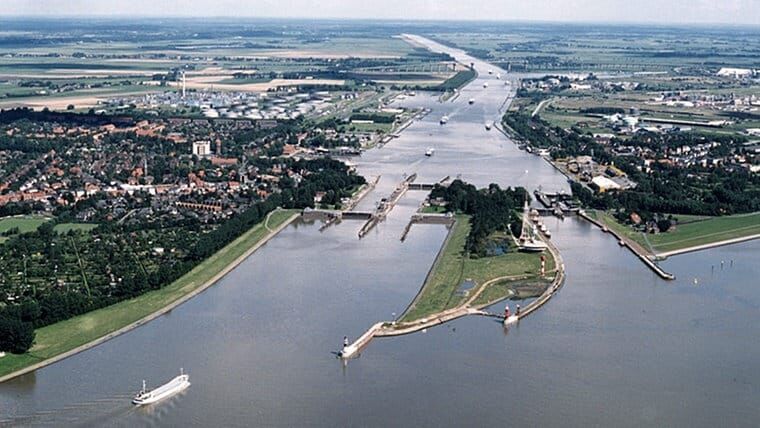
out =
column 174, row 386
column 511, row 320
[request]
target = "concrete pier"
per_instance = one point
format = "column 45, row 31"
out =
column 352, row 350
column 387, row 204
column 430, row 218
column 634, row 248
column 393, row 328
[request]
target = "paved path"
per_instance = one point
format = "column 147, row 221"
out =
column 632, row 246
column 710, row 245
column 393, row 328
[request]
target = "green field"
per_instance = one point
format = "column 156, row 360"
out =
column 702, row 232
column 67, row 227
column 693, row 231
column 246, row 80
column 27, row 224
column 66, row 335
column 371, row 127
column 458, row 80
column 453, row 267
column 433, row 209
column 621, row 229
column 24, row 224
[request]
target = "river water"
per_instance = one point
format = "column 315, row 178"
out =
column 617, row 346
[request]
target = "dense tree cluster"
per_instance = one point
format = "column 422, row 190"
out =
column 47, row 276
column 491, row 209
column 663, row 188
column 16, row 336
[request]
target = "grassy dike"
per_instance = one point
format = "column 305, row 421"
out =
column 453, row 266
column 64, row 338
column 692, row 233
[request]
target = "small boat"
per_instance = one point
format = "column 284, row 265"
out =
column 174, row 386
column 533, row 246
column 429, row 152
column 444, row 120
column 528, row 240
column 511, row 320
column 472, row 101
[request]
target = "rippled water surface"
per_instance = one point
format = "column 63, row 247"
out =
column 616, row 347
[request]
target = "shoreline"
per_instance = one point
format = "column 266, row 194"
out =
column 394, row 328
column 162, row 311
column 433, row 267
column 632, row 246
column 663, row 255
column 707, row 246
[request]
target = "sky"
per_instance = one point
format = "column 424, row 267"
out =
column 641, row 11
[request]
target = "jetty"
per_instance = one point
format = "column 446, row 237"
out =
column 386, row 205
column 394, row 328
column 634, row 248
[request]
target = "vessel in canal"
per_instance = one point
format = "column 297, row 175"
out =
column 174, row 386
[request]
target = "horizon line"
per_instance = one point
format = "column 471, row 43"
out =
column 420, row 19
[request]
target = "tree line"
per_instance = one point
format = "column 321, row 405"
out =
column 490, row 209
column 195, row 242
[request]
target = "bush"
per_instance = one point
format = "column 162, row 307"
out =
column 15, row 336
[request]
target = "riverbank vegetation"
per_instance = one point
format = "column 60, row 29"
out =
column 52, row 273
column 479, row 263
column 687, row 233
column 491, row 209
column 55, row 339
column 675, row 176
column 457, row 275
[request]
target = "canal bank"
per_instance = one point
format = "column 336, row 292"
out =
column 70, row 337
column 631, row 245
column 443, row 265
column 620, row 347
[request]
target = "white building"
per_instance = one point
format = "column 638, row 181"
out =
column 734, row 72
column 202, row 148
column 604, row 184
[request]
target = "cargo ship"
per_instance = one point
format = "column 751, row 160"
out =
column 174, row 386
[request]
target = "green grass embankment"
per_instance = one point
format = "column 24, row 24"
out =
column 67, row 335
column 693, row 231
column 715, row 229
column 453, row 266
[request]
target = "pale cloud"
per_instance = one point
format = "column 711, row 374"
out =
column 658, row 11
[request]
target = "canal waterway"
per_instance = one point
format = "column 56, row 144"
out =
column 616, row 347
